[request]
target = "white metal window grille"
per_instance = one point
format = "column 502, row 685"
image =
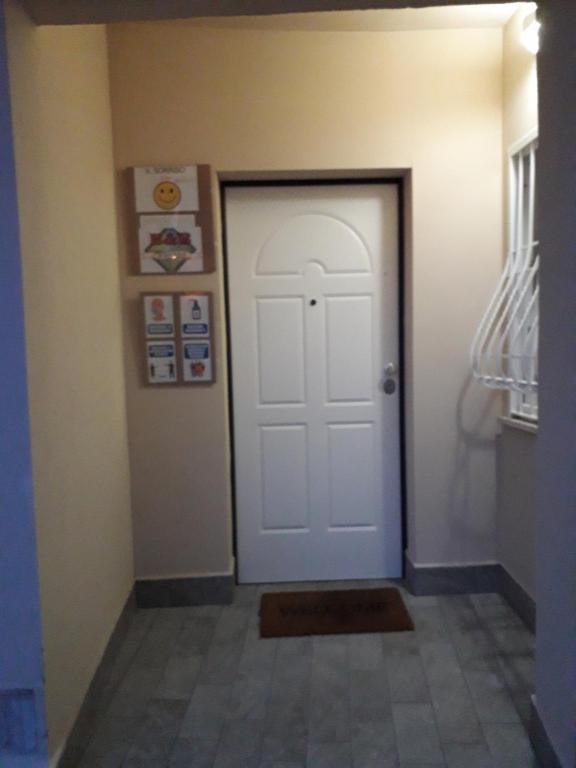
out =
column 505, row 348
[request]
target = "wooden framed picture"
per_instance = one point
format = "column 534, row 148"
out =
column 174, row 218
column 177, row 339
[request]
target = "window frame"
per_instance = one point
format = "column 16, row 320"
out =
column 521, row 406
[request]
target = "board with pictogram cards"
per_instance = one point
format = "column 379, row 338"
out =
column 178, row 347
column 175, row 223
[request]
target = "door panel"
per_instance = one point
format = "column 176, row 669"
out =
column 314, row 321
column 349, row 348
column 352, row 487
column 283, row 452
column 280, row 350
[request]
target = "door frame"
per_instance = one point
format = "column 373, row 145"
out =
column 317, row 180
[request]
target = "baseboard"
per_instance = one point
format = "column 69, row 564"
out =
column 182, row 592
column 541, row 744
column 518, row 599
column 451, row 579
column 100, row 691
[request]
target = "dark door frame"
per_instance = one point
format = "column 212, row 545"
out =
column 316, row 181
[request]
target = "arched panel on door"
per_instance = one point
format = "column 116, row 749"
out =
column 314, row 237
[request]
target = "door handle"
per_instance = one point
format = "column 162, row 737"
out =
column 390, row 370
column 389, row 383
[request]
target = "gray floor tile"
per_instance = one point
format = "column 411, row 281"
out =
column 369, row 695
column 329, row 718
column 330, row 756
column 199, row 688
column 96, row 757
column 179, row 678
column 459, row 613
column 429, row 622
column 468, row 756
column 513, row 640
column 454, row 708
column 424, row 601
column 157, row 646
column 491, row 697
column 285, row 746
column 193, row 753
column 495, row 611
column 232, row 624
column 157, row 734
column 247, row 594
column 406, row 680
column 207, row 712
column 135, row 692
column 111, row 743
column 422, row 765
column 523, row 703
column 509, row 746
column 221, row 664
column 456, row 718
column 366, row 651
column 258, row 656
column 250, row 697
column 517, row 670
column 288, row 717
column 475, row 649
column 375, row 733
column 282, row 764
column 399, row 644
column 240, row 745
column 372, row 756
column 416, row 733
column 195, row 636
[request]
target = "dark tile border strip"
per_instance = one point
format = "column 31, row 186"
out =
column 179, row 593
column 518, row 599
column 541, row 744
column 452, row 580
column 472, row 579
column 99, row 692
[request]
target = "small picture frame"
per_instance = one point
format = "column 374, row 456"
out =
column 177, row 338
column 195, row 315
column 170, row 245
column 196, row 360
column 170, row 189
column 161, row 363
column 159, row 319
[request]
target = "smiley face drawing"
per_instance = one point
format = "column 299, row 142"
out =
column 167, row 195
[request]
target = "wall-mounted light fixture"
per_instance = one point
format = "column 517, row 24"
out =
column 530, row 36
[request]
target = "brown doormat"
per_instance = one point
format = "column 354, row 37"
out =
column 289, row 614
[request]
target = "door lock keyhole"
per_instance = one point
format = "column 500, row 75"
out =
column 312, row 302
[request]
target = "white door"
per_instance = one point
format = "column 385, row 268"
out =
column 314, row 324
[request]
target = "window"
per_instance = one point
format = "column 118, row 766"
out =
column 505, row 348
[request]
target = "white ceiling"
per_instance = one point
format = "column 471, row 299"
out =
column 455, row 17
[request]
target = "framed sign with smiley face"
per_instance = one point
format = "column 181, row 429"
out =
column 166, row 189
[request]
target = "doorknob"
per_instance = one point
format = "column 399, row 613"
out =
column 391, row 369
column 389, row 384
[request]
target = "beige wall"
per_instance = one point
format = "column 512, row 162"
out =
column 266, row 101
column 520, row 84
column 61, row 113
column 516, row 519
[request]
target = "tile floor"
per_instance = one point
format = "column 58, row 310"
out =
column 198, row 688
